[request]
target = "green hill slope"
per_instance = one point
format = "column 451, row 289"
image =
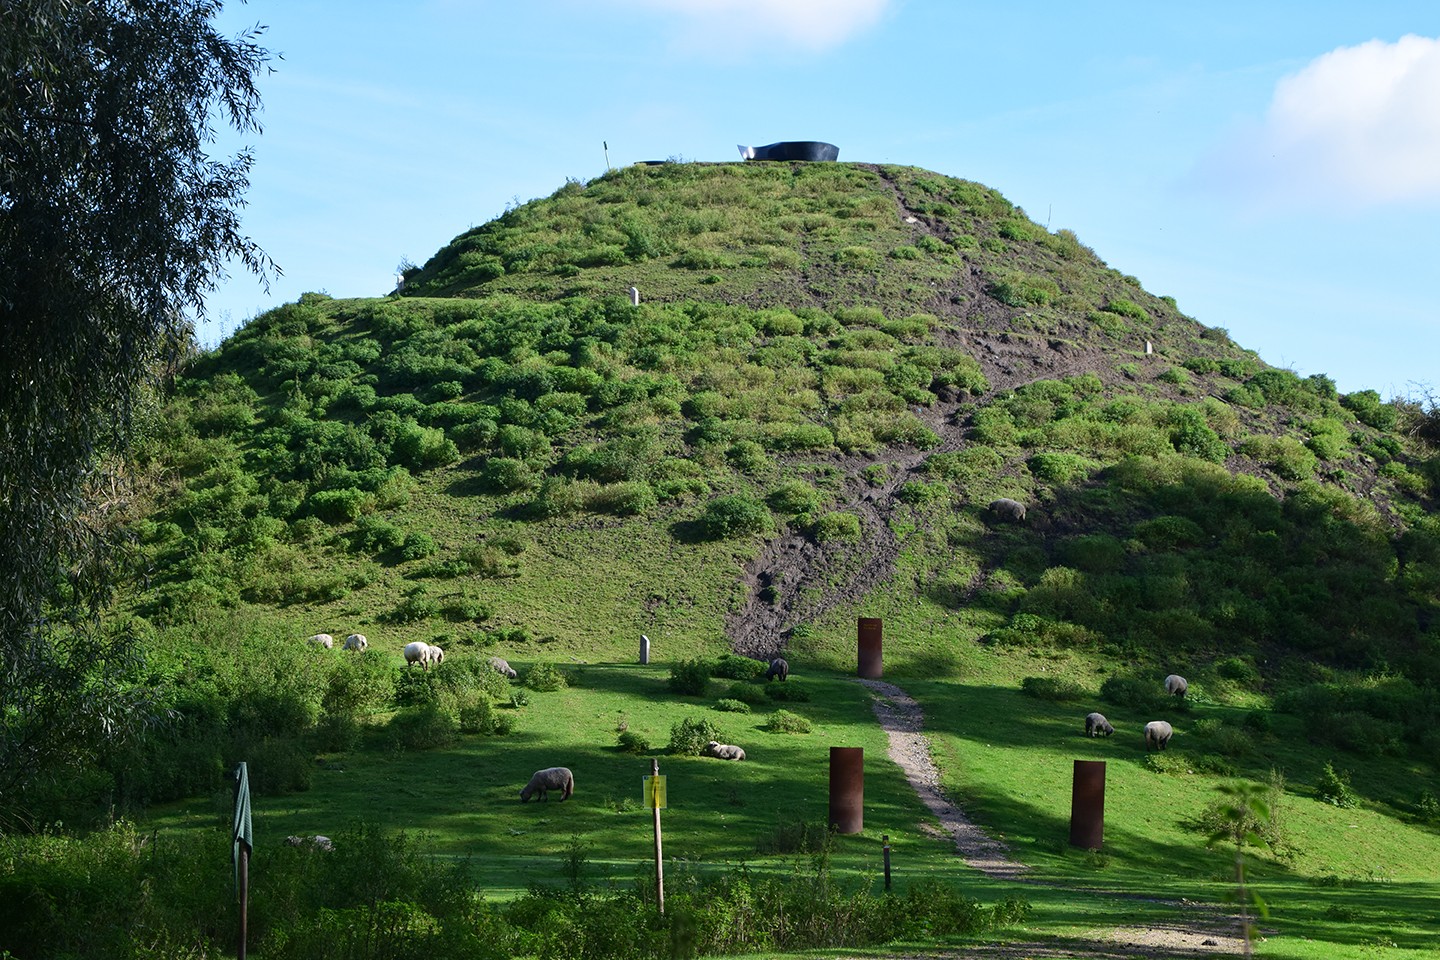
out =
column 832, row 371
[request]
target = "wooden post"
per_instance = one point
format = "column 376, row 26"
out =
column 659, row 857
column 244, row 898
column 886, row 839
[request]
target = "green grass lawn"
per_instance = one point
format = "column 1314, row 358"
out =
column 1350, row 883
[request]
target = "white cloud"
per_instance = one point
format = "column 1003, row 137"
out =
column 811, row 24
column 1358, row 126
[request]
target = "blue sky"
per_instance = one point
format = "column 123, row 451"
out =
column 1274, row 166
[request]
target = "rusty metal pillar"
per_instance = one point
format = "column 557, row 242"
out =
column 847, row 789
column 871, row 630
column 1087, row 805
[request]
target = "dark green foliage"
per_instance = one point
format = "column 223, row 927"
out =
column 628, row 741
column 417, row 545
column 1052, row 688
column 794, row 497
column 791, row 691
column 689, row 736
column 545, row 678
column 727, row 705
column 690, row 677
column 748, row 693
column 836, row 526
column 1334, row 788
column 1141, row 694
column 733, row 667
column 1370, row 410
column 733, row 516
column 1193, row 437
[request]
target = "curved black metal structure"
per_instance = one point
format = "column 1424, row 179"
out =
column 792, row 150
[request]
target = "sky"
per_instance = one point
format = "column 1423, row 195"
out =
column 1273, row 166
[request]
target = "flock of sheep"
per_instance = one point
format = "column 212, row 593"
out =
column 1157, row 732
column 550, row 778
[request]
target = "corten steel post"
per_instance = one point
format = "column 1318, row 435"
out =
column 1087, row 805
column 847, row 789
column 871, row 630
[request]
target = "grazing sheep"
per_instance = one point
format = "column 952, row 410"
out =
column 1157, row 734
column 551, row 778
column 323, row 640
column 724, row 751
column 1175, row 685
column 778, row 668
column 316, row 842
column 1006, row 509
column 423, row 654
column 356, row 641
column 1097, row 726
column 502, row 667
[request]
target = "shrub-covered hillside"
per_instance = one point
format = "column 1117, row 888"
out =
column 832, row 370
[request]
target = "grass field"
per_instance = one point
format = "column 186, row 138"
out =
column 1344, row 882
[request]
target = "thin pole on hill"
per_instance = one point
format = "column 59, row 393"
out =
column 659, row 858
column 606, row 147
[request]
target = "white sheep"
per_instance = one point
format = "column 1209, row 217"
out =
column 1176, row 685
column 1157, row 734
column 316, row 842
column 323, row 640
column 423, row 654
column 502, row 666
column 724, row 751
column 551, row 778
column 356, row 641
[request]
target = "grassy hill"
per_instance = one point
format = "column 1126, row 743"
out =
column 832, row 370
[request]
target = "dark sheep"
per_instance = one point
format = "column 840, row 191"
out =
column 1175, row 685
column 1097, row 726
column 551, row 778
column 1157, row 734
column 778, row 668
column 1006, row 509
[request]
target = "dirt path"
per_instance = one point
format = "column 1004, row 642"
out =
column 1199, row 931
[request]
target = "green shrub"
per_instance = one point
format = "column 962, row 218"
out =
column 417, row 545
column 506, row 474
column 734, row 667
column 836, row 526
column 339, row 506
column 794, row 497
column 628, row 741
column 726, row 705
column 1370, row 410
column 1334, row 788
column 690, row 677
column 750, row 693
column 627, row 499
column 422, row 728
column 919, row 494
column 783, row 721
column 1128, row 308
column 1052, row 688
column 545, row 678
column 689, row 736
column 790, row 691
column 733, row 516
column 857, row 258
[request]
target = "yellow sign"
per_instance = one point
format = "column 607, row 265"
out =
column 654, row 792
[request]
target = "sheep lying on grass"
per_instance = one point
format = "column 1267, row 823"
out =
column 1097, row 726
column 779, row 667
column 423, row 654
column 1157, row 734
column 1006, row 509
column 1176, row 685
column 356, row 641
column 724, row 751
column 502, row 667
column 551, row 778
column 323, row 640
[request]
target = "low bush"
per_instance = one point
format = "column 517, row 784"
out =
column 1052, row 688
column 733, row 516
column 727, row 705
column 733, row 667
column 690, row 677
column 628, row 741
column 1333, row 788
column 545, row 678
column 689, row 736
column 790, row 691
column 783, row 721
